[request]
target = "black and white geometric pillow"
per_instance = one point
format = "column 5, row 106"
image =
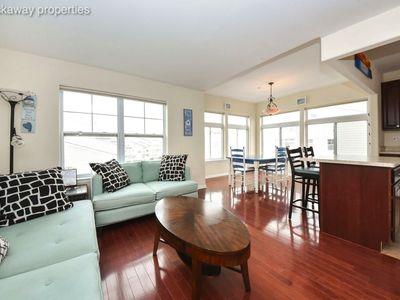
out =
column 172, row 168
column 113, row 175
column 29, row 195
column 3, row 248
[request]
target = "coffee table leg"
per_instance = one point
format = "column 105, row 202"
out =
column 156, row 241
column 196, row 279
column 245, row 274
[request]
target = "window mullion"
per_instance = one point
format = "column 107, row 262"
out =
column 335, row 138
column 121, row 130
column 91, row 110
column 209, row 140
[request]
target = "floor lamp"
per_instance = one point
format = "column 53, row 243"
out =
column 13, row 98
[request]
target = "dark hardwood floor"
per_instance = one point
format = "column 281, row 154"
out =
column 289, row 260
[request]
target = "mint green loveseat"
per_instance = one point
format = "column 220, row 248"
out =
column 140, row 197
column 52, row 257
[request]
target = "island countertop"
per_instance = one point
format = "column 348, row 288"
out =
column 373, row 161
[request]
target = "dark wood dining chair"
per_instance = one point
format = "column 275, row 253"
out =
column 309, row 153
column 301, row 174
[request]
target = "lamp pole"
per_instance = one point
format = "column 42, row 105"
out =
column 13, row 98
column 12, row 132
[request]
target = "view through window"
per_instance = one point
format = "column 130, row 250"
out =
column 338, row 129
column 97, row 128
column 213, row 135
column 332, row 130
column 238, row 132
column 282, row 130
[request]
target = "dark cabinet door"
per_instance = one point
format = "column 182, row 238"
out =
column 391, row 105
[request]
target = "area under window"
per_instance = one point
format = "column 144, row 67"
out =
column 282, row 130
column 97, row 128
column 238, row 132
column 213, row 135
column 338, row 129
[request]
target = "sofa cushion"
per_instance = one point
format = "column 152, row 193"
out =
column 76, row 278
column 164, row 189
column 134, row 171
column 49, row 239
column 134, row 194
column 151, row 169
column 172, row 167
column 113, row 175
column 29, row 195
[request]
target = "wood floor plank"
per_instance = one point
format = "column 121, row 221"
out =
column 289, row 260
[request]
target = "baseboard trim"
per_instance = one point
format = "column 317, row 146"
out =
column 217, row 175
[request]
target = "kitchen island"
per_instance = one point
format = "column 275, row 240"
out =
column 359, row 198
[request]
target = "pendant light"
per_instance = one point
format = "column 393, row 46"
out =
column 272, row 108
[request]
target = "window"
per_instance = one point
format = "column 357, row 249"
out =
column 144, row 130
column 339, row 129
column 213, row 135
column 282, row 130
column 321, row 137
column 97, row 128
column 238, row 132
column 270, row 138
column 348, row 109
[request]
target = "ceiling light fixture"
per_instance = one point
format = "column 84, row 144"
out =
column 272, row 108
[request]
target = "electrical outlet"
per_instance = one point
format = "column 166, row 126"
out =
column 396, row 138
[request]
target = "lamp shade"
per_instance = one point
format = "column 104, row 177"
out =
column 17, row 141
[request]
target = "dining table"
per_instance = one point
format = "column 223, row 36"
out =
column 255, row 161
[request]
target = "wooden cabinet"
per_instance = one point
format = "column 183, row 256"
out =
column 356, row 203
column 391, row 105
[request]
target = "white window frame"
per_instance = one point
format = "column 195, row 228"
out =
column 245, row 127
column 336, row 120
column 216, row 125
column 120, row 135
column 279, row 126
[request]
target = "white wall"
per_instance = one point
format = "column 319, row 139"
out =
column 240, row 108
column 44, row 76
column 389, row 76
column 370, row 33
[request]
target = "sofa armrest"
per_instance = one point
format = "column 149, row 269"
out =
column 97, row 185
column 187, row 173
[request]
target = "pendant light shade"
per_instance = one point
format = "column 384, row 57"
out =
column 271, row 108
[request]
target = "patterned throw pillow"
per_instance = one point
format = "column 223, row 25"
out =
column 3, row 248
column 113, row 175
column 172, row 168
column 28, row 195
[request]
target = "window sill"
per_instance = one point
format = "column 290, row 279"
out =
column 216, row 160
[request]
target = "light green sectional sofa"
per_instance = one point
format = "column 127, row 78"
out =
column 52, row 257
column 140, row 197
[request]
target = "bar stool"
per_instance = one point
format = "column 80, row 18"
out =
column 309, row 152
column 303, row 175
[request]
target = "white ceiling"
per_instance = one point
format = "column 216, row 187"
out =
column 298, row 71
column 386, row 58
column 191, row 43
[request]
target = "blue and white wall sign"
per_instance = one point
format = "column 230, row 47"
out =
column 187, row 122
column 28, row 115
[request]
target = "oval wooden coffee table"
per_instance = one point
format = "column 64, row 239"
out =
column 207, row 233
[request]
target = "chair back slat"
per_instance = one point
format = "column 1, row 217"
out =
column 294, row 156
column 309, row 152
column 238, row 159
